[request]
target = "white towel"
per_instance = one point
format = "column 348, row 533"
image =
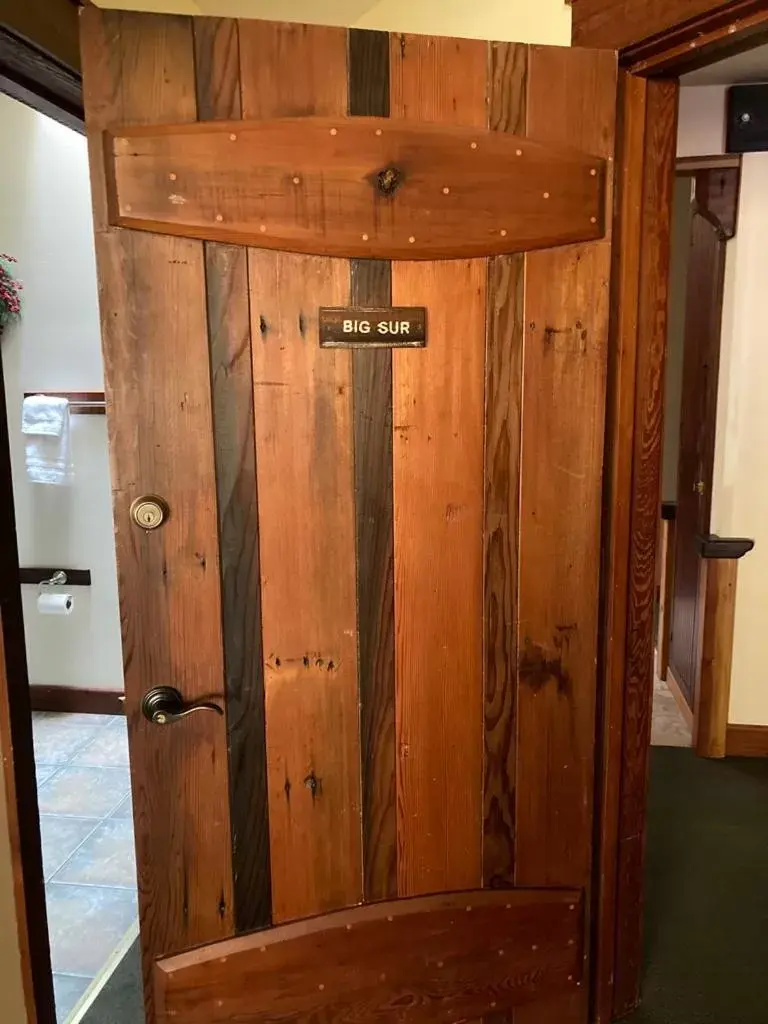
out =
column 45, row 424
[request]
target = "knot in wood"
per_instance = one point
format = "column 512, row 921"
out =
column 389, row 180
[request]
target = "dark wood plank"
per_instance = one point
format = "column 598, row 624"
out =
column 615, row 24
column 20, row 825
column 217, row 58
column 73, row 700
column 438, row 425
column 620, row 412
column 325, row 186
column 304, row 447
column 75, row 577
column 371, row 285
column 714, row 693
column 155, row 341
column 468, row 951
column 503, row 406
column 658, row 177
column 571, row 99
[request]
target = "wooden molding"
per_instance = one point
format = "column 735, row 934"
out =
column 747, row 741
column 669, row 35
column 73, row 699
column 719, row 162
column 666, row 594
column 354, row 187
column 38, row 79
column 677, row 692
column 714, row 684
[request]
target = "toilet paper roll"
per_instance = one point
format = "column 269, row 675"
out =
column 54, row 604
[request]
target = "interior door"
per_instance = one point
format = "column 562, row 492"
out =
column 380, row 561
column 712, row 224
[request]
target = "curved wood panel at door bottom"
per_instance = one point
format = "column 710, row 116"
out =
column 433, row 958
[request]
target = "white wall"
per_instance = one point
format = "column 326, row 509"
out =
column 45, row 221
column 701, row 124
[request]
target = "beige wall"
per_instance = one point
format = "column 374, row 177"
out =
column 740, row 484
column 525, row 21
column 545, row 21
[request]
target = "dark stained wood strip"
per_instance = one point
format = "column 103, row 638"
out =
column 217, row 59
column 438, row 397
column 371, row 285
column 571, row 100
column 620, row 412
column 659, row 164
column 503, row 404
column 304, row 448
column 155, row 341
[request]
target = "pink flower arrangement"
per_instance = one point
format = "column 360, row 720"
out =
column 10, row 292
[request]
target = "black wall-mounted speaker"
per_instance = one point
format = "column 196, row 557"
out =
column 747, row 129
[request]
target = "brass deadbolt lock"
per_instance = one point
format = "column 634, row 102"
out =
column 149, row 511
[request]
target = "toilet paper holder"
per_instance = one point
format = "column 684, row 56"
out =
column 58, row 579
column 55, row 577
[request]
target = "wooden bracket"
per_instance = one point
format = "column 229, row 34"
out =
column 354, row 187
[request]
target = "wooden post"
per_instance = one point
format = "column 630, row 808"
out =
column 711, row 722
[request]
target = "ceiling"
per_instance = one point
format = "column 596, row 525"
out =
column 751, row 66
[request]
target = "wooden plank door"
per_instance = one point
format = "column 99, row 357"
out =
column 382, row 563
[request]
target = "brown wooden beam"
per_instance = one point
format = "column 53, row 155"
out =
column 714, row 684
column 51, row 25
column 33, row 76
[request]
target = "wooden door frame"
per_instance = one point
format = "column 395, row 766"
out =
column 657, row 41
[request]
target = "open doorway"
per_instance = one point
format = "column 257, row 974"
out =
column 62, row 499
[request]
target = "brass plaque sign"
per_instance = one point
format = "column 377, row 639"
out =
column 366, row 327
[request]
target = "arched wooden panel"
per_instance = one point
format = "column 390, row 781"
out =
column 355, row 187
column 434, row 958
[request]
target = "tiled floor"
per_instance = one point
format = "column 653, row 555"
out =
column 668, row 726
column 88, row 853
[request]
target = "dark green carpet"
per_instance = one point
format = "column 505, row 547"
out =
column 707, row 899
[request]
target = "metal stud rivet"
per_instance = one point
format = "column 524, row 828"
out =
column 349, row 927
column 473, row 145
column 501, row 952
column 378, row 131
column 219, row 1002
column 389, row 918
column 534, row 948
column 382, row 977
column 263, row 949
column 439, row 963
column 446, row 190
column 518, row 152
column 171, row 176
column 297, row 181
column 593, row 220
column 219, row 217
column 503, row 232
column 262, row 228
column 127, row 207
column 412, row 239
column 692, row 46
column 546, row 195
column 222, row 960
column 572, row 906
column 365, row 238
column 493, row 1006
column 334, row 131
column 593, row 172
column 469, row 908
column 509, row 906
column 731, row 29
column 232, row 137
column 570, row 942
column 322, row 987
column 570, row 977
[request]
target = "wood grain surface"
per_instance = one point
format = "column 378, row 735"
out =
column 571, row 99
column 371, row 285
column 468, row 951
column 615, row 25
column 438, row 427
column 217, row 62
column 362, row 187
column 304, row 446
column 503, row 408
column 659, row 158
column 714, row 693
column 620, row 412
column 155, row 341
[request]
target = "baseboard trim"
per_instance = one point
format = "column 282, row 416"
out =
column 75, row 700
column 677, row 692
column 746, row 741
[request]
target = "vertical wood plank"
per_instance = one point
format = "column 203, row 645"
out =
column 438, row 485
column 304, row 448
column 371, row 285
column 620, row 411
column 140, row 69
column 503, row 406
column 571, row 100
column 658, row 180
column 217, row 61
column 714, row 694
